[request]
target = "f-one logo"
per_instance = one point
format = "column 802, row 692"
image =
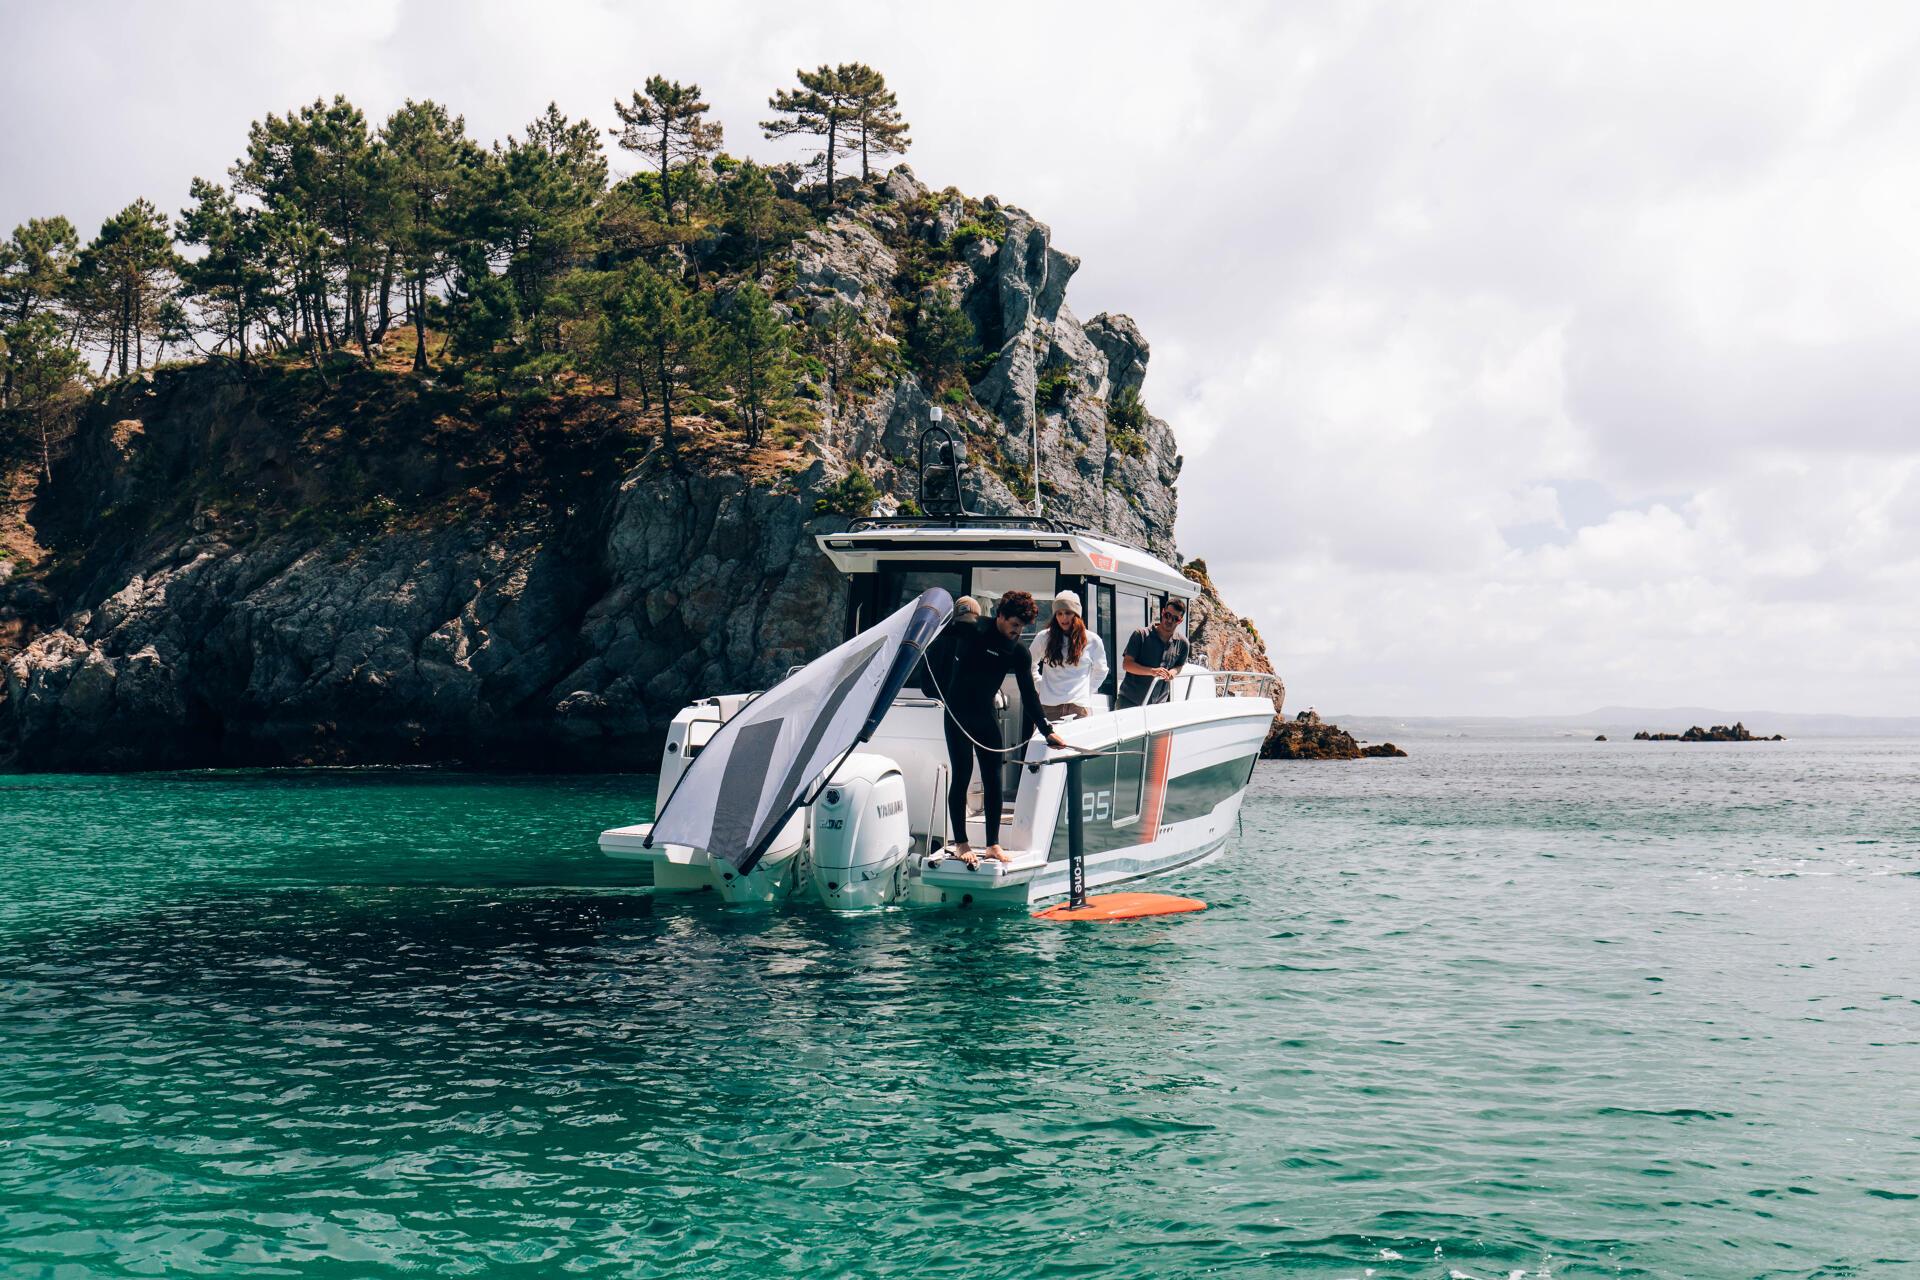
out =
column 890, row 808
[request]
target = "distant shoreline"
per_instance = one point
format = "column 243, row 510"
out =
column 1625, row 722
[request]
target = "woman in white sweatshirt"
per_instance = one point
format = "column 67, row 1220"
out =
column 1069, row 662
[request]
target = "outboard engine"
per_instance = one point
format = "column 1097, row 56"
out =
column 860, row 837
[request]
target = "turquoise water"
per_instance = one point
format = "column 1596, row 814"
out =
column 1563, row 1009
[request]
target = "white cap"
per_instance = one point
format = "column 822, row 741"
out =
column 1066, row 600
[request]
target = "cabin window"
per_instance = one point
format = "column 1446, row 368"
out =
column 900, row 586
column 1038, row 581
column 1129, row 777
column 863, row 594
column 1100, row 600
column 1134, row 610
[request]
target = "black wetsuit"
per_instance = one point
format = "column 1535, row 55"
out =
column 970, row 660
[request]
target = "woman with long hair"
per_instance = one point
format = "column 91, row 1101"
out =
column 1069, row 660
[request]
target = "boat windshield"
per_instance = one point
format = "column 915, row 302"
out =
column 876, row 595
column 897, row 586
column 989, row 585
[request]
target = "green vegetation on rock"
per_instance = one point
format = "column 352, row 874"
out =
column 510, row 270
column 854, row 495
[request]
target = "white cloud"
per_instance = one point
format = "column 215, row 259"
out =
column 1526, row 357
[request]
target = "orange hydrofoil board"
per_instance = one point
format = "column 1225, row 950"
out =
column 1122, row 906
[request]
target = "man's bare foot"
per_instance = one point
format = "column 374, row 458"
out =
column 998, row 854
column 964, row 852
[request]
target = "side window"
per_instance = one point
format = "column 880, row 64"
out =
column 1102, row 596
column 1134, row 613
column 862, row 613
column 1129, row 770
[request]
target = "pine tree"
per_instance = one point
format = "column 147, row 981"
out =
column 37, row 363
column 665, row 126
column 755, row 216
column 230, row 283
column 758, row 357
column 346, row 165
column 121, row 279
column 426, row 159
column 36, row 266
column 839, row 339
column 308, row 169
column 317, row 169
column 485, row 315
column 940, row 336
column 823, row 107
column 614, row 347
column 876, row 114
column 677, row 335
column 534, row 203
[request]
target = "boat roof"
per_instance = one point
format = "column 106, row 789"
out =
column 870, row 542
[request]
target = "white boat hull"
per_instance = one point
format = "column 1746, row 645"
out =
column 678, row 869
column 1160, row 791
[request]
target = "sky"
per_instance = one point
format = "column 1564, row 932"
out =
column 1525, row 358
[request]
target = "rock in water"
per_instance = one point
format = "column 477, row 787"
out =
column 1735, row 732
column 1308, row 737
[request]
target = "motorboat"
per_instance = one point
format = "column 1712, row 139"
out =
column 831, row 785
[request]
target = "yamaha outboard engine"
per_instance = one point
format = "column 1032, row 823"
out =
column 859, row 834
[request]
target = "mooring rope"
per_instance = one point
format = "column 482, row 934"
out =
column 1083, row 752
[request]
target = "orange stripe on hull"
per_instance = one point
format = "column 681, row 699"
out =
column 1159, row 757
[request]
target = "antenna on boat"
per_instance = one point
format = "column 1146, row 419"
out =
column 940, row 491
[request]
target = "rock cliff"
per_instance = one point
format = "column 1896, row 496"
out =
column 279, row 567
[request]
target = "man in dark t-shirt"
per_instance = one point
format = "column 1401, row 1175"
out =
column 1154, row 656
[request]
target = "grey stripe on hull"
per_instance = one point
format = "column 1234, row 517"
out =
column 849, row 676
column 741, row 787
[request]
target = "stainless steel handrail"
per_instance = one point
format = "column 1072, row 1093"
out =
column 1243, row 684
column 942, row 779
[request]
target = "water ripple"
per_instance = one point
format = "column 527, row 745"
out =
column 1492, row 1011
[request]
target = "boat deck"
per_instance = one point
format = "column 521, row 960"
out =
column 948, row 872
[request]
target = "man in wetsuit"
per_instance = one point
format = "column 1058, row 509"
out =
column 969, row 662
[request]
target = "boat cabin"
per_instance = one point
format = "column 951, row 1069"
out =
column 891, row 560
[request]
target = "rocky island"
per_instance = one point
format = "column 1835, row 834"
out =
column 505, row 466
column 1308, row 737
column 1735, row 732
